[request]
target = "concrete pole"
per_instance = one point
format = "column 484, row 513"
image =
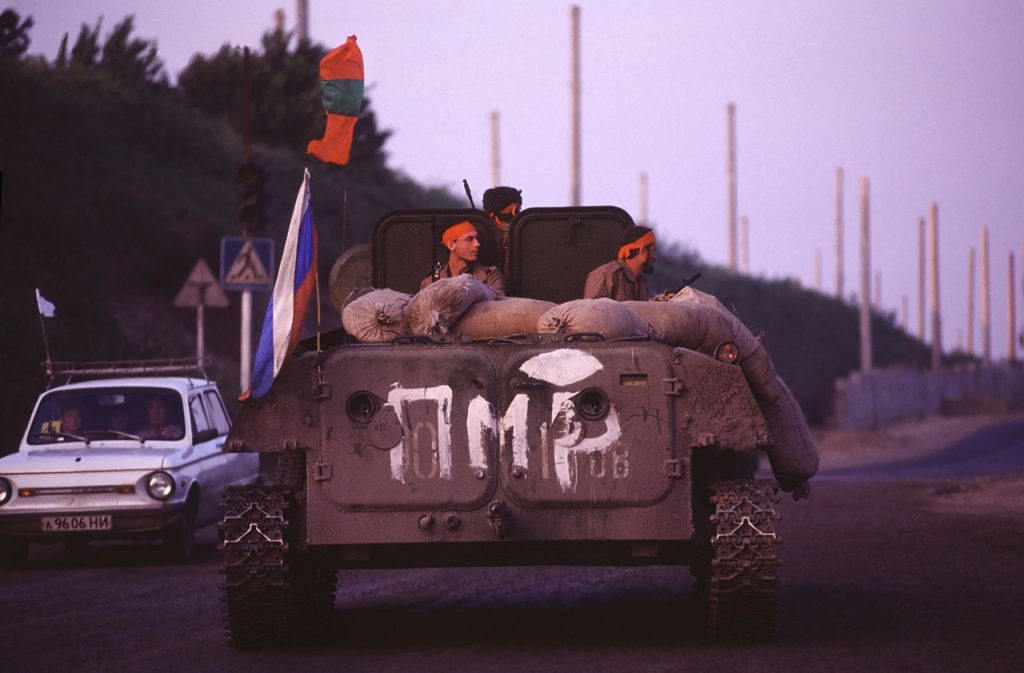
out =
column 920, row 279
column 245, row 370
column 495, row 149
column 1012, row 321
column 745, row 245
column 576, row 152
column 839, row 233
column 970, row 302
column 905, row 313
column 301, row 20
column 731, row 169
column 936, row 316
column 817, row 269
column 200, row 331
column 986, row 304
column 279, row 20
column 865, row 277
column 643, row 199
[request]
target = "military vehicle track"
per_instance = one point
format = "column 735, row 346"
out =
column 272, row 595
column 737, row 588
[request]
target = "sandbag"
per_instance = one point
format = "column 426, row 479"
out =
column 692, row 296
column 792, row 453
column 377, row 316
column 703, row 324
column 502, row 317
column 607, row 317
column 438, row 306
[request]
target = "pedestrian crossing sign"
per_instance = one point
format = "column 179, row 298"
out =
column 247, row 263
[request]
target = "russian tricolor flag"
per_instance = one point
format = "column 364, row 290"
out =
column 294, row 287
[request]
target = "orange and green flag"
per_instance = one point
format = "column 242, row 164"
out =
column 341, row 78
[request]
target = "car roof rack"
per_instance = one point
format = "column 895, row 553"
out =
column 70, row 370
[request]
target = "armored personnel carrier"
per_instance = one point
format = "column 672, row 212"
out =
column 527, row 449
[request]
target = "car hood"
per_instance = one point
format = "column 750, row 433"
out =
column 85, row 459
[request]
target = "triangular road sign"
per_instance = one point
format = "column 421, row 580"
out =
column 201, row 289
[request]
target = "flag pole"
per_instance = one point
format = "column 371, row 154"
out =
column 46, row 342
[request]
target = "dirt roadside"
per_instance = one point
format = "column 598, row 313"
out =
column 845, row 449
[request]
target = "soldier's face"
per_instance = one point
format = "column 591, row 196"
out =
column 652, row 256
column 466, row 247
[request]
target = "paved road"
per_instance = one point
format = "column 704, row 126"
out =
column 879, row 573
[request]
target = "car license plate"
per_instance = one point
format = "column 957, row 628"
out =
column 63, row 524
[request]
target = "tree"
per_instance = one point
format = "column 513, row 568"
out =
column 129, row 61
column 14, row 39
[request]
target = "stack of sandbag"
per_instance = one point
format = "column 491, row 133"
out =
column 377, row 316
column 701, row 326
column 698, row 321
column 793, row 453
column 607, row 317
column 501, row 318
column 436, row 308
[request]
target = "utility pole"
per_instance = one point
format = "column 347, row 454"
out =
column 920, row 279
column 495, row 149
column 745, row 245
column 301, row 20
column 970, row 302
column 576, row 196
column 643, row 199
column 986, row 305
column 865, row 277
column 839, row 233
column 731, row 169
column 1012, row 321
column 936, row 316
column 905, row 313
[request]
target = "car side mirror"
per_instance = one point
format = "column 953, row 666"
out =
column 205, row 435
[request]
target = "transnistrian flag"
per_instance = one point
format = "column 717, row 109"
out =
column 341, row 79
column 46, row 308
column 296, row 281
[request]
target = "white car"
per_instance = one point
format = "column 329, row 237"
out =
column 119, row 458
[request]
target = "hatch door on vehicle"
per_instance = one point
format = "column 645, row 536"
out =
column 408, row 428
column 589, row 426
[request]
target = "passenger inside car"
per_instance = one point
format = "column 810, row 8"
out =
column 157, row 424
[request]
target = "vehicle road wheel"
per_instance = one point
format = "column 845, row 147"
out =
column 736, row 577
column 13, row 553
column 180, row 537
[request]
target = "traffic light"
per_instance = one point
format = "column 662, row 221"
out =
column 252, row 181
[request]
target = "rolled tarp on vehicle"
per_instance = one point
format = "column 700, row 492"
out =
column 792, row 453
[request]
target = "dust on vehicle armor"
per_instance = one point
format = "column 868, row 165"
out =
column 446, row 451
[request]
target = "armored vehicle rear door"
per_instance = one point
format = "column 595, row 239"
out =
column 408, row 427
column 589, row 424
column 553, row 249
column 407, row 243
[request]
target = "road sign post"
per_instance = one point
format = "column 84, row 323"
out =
column 199, row 291
column 246, row 266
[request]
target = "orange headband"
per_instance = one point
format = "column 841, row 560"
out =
column 457, row 231
column 510, row 209
column 639, row 244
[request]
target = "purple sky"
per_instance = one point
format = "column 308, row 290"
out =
column 923, row 97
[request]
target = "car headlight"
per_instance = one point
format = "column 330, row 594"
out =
column 6, row 490
column 160, row 485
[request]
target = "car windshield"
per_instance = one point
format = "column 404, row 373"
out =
column 108, row 413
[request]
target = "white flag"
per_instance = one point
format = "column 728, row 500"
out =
column 46, row 308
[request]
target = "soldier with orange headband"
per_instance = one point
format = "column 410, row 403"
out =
column 502, row 204
column 622, row 279
column 463, row 245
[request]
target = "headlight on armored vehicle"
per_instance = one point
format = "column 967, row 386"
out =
column 160, row 485
column 6, row 490
column 728, row 352
column 592, row 404
column 362, row 406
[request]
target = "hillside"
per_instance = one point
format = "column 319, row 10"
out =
column 110, row 197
